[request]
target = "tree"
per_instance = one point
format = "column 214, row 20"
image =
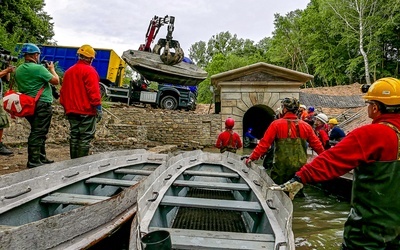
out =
column 24, row 21
column 365, row 20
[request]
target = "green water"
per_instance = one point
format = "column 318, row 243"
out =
column 318, row 218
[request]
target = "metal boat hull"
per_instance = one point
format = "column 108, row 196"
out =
column 153, row 69
column 65, row 208
column 256, row 217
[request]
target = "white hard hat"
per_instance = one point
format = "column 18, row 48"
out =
column 303, row 106
column 322, row 117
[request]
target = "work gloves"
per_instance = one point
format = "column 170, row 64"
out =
column 248, row 162
column 292, row 187
column 99, row 113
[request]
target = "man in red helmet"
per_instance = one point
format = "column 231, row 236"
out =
column 229, row 140
column 373, row 153
column 289, row 136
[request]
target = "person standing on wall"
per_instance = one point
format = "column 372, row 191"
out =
column 373, row 153
column 80, row 96
column 229, row 140
column 30, row 78
column 289, row 135
column 4, row 123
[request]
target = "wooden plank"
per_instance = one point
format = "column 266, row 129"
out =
column 75, row 199
column 212, row 185
column 218, row 234
column 111, row 182
column 197, row 239
column 133, row 171
column 211, row 174
column 246, row 206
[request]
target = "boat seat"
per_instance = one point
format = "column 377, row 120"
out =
column 111, row 182
column 133, row 171
column 211, row 174
column 72, row 199
column 212, row 185
column 201, row 239
column 232, row 205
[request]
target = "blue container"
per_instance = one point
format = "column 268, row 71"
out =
column 66, row 57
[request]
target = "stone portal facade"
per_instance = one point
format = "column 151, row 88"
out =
column 252, row 94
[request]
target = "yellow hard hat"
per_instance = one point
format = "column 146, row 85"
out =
column 333, row 121
column 385, row 90
column 87, row 50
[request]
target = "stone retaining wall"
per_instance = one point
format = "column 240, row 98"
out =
column 131, row 127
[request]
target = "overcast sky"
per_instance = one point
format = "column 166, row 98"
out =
column 122, row 24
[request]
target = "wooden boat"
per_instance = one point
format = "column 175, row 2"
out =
column 212, row 201
column 153, row 69
column 72, row 204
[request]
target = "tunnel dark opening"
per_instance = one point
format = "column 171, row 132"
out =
column 258, row 117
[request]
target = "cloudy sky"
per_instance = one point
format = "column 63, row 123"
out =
column 122, row 24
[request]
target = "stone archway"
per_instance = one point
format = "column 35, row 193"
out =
column 247, row 93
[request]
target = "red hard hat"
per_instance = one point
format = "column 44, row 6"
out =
column 229, row 123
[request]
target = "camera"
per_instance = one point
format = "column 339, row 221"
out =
column 44, row 63
column 5, row 56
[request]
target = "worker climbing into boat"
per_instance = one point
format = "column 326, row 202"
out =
column 373, row 153
column 229, row 140
column 289, row 135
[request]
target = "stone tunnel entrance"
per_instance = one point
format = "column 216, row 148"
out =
column 258, row 117
column 251, row 94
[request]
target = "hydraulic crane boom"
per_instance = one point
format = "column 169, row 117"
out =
column 166, row 56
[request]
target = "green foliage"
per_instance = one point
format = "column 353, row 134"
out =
column 24, row 21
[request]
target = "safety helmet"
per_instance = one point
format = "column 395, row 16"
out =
column 311, row 109
column 251, row 129
column 322, row 117
column 30, row 48
column 333, row 121
column 303, row 106
column 86, row 50
column 291, row 104
column 229, row 122
column 385, row 90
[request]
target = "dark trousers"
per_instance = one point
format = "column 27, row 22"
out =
column 40, row 124
column 82, row 131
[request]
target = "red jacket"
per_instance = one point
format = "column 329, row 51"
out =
column 322, row 133
column 279, row 129
column 223, row 140
column 80, row 90
column 366, row 144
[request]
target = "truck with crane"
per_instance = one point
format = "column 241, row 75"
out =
column 171, row 94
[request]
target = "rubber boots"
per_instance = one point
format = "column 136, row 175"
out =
column 4, row 150
column 73, row 151
column 83, row 151
column 34, row 157
column 43, row 157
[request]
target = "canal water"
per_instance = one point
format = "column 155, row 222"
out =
column 318, row 218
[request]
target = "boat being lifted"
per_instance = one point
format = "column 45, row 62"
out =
column 165, row 63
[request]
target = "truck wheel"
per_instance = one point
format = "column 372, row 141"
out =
column 169, row 102
column 102, row 91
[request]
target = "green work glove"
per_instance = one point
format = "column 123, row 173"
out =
column 292, row 187
column 99, row 113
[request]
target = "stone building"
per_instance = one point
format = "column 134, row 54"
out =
column 252, row 94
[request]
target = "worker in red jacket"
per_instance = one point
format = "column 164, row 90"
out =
column 289, row 135
column 229, row 140
column 321, row 129
column 373, row 152
column 81, row 99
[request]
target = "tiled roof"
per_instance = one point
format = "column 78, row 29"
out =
column 331, row 101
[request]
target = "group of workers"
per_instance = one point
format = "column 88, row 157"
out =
column 79, row 96
column 371, row 151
